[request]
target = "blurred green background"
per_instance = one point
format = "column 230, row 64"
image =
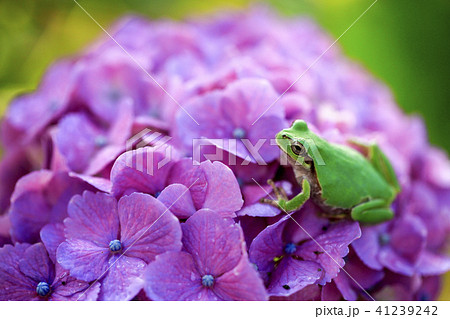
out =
column 405, row 43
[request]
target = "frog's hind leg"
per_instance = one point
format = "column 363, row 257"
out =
column 372, row 212
column 380, row 162
column 283, row 202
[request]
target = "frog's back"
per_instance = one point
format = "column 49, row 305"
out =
column 353, row 180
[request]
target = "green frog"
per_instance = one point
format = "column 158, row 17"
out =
column 340, row 180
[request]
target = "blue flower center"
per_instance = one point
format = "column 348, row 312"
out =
column 100, row 141
column 43, row 289
column 114, row 95
column 208, row 281
column 424, row 297
column 384, row 239
column 115, row 245
column 154, row 112
column 290, row 248
column 239, row 133
column 157, row 194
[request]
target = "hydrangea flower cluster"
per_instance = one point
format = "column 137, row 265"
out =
column 104, row 196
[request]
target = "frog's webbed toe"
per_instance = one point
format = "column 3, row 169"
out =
column 283, row 202
column 280, row 193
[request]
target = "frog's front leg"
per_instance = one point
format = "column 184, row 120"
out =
column 372, row 212
column 283, row 202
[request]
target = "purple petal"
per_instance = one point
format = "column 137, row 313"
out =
column 102, row 184
column 124, row 279
column 148, row 228
column 329, row 248
column 152, row 123
column 143, row 170
column 93, row 218
column 193, row 177
column 41, row 197
column 27, row 215
column 174, row 276
column 356, row 278
column 105, row 83
column 215, row 243
column 102, row 158
column 77, row 151
column 29, row 209
column 5, row 227
column 292, row 275
column 367, row 247
column 408, row 237
column 178, row 199
column 311, row 224
column 266, row 129
column 85, row 260
column 268, row 245
column 362, row 275
column 395, row 262
column 252, row 96
column 89, row 294
column 52, row 235
column 33, row 112
column 259, row 210
column 223, row 194
column 344, row 285
column 309, row 293
column 120, row 129
column 220, row 112
column 212, row 186
column 93, row 222
column 430, row 264
column 14, row 285
column 206, row 111
column 65, row 287
column 241, row 283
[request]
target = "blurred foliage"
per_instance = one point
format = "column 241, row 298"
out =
column 403, row 42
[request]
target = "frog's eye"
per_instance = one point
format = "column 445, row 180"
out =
column 298, row 149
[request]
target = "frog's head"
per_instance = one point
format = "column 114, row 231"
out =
column 294, row 142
